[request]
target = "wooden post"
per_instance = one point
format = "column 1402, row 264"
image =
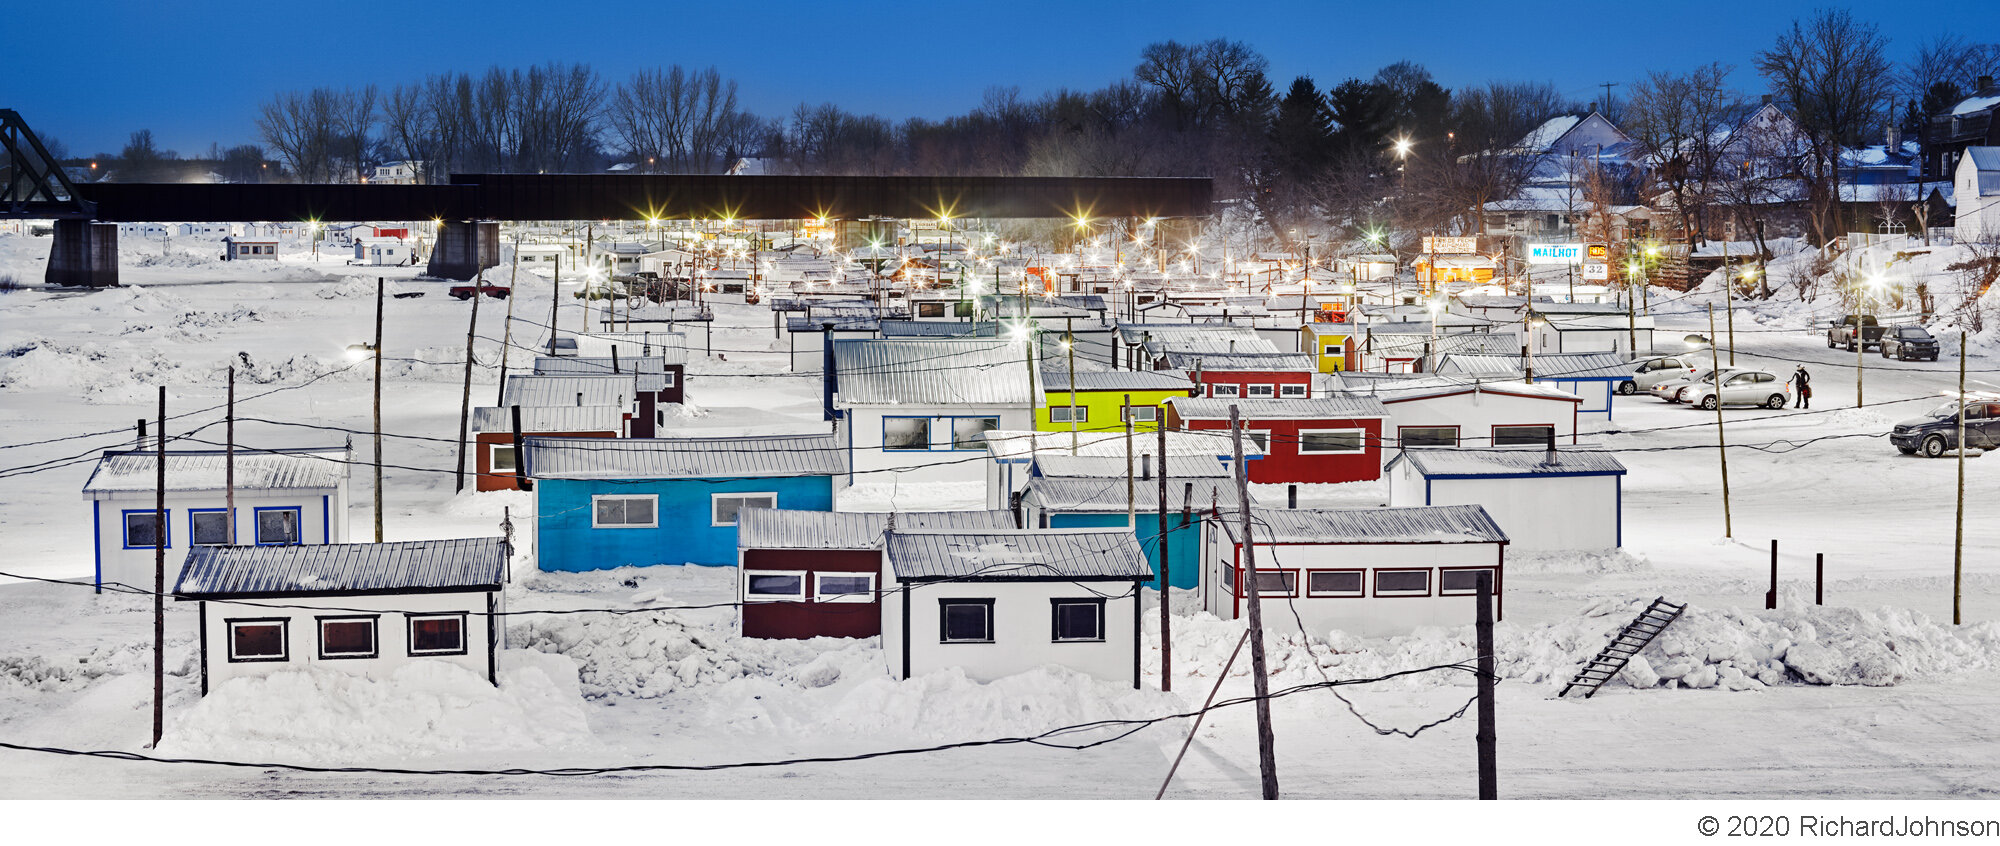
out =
column 520, row 453
column 1958, row 531
column 555, row 299
column 1819, row 579
column 507, row 331
column 465, row 401
column 160, row 573
column 1721, row 443
column 228, row 467
column 1267, row 761
column 1771, row 596
column 1166, row 617
column 380, row 283
column 1486, row 737
column 1131, row 486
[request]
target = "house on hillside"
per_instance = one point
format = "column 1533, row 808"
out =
column 993, row 604
column 1971, row 122
column 1545, row 499
column 922, row 408
column 1093, row 401
column 1976, row 187
column 1375, row 572
column 1447, row 412
column 359, row 608
column 494, row 458
column 644, row 501
column 283, row 498
column 806, row 574
column 1089, row 491
column 1323, row 440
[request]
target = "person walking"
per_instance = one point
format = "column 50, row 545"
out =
column 1801, row 384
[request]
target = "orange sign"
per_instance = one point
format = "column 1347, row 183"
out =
column 1597, row 251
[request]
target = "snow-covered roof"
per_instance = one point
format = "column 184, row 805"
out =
column 1199, row 337
column 648, row 372
column 1106, row 494
column 1062, row 465
column 1542, row 137
column 1509, row 461
column 685, row 458
column 429, row 565
column 1422, row 524
column 120, row 471
column 1017, row 555
column 1058, row 381
column 774, row 528
column 939, row 329
column 1547, row 365
column 1337, row 407
column 1970, row 105
column 526, row 389
column 956, row 371
column 1216, row 362
column 551, row 418
column 1416, row 389
column 1021, row 445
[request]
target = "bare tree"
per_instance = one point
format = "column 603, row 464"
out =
column 1833, row 74
column 1680, row 118
column 354, row 117
column 302, row 128
column 684, row 120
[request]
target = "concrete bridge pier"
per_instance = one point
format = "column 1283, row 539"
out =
column 465, row 247
column 85, row 253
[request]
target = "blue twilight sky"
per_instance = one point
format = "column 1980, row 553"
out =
column 90, row 73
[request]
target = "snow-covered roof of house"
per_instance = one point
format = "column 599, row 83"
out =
column 1417, row 389
column 343, row 568
column 1058, row 381
column 1008, row 556
column 1984, row 158
column 1547, row 365
column 527, row 389
column 1021, row 445
column 1337, row 407
column 957, row 371
column 1196, row 337
column 685, row 458
column 1542, row 137
column 840, row 322
column 1062, row 465
column 774, row 528
column 1509, row 461
column 1106, row 494
column 648, row 372
column 1970, row 105
column 1422, row 524
column 120, row 471
column 1217, row 362
column 939, row 329
column 550, row 418
column 1488, row 301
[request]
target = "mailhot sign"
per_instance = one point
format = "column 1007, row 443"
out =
column 1555, row 253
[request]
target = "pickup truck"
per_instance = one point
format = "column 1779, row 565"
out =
column 464, row 292
column 1841, row 333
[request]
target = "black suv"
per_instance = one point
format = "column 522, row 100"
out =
column 1936, row 433
column 1909, row 342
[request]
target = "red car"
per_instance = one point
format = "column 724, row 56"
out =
column 498, row 292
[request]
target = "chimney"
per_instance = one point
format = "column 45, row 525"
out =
column 1146, row 467
column 1551, row 459
column 579, row 399
column 828, row 377
column 1767, row 99
column 1985, row 82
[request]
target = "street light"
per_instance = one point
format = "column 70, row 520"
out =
column 1870, row 289
column 1721, row 445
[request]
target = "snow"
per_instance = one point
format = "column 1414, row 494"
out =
column 1975, row 104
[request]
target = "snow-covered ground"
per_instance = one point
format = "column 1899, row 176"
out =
column 1876, row 694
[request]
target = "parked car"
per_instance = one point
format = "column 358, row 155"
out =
column 1740, row 387
column 1653, row 371
column 1675, row 390
column 1909, row 342
column 1841, row 333
column 464, row 292
column 1936, row 434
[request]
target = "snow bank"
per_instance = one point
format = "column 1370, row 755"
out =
column 322, row 716
column 653, row 654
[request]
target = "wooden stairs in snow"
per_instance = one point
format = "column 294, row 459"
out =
column 1616, row 654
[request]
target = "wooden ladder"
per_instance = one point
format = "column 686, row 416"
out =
column 1616, row 654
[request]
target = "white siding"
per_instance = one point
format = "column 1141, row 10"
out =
column 940, row 463
column 318, row 523
column 1365, row 616
column 1021, row 631
column 1538, row 514
column 391, row 633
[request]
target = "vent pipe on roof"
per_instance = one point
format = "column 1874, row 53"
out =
column 579, row 399
column 1551, row 458
column 1146, row 466
column 614, row 360
column 829, row 378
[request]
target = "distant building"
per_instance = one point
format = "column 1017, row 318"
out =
column 1971, row 122
column 396, row 173
column 1976, row 186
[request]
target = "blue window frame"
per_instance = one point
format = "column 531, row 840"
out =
column 209, row 527
column 906, row 434
column 279, row 526
column 968, row 434
column 146, row 529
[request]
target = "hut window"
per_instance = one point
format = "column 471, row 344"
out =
column 503, row 458
column 257, row 640
column 930, row 309
column 1292, row 390
column 1332, row 440
column 727, row 507
column 624, row 512
column 209, row 527
column 1522, row 435
column 970, row 432
column 774, row 585
column 1264, row 391
column 1225, row 390
column 1402, row 583
column 1076, row 620
column 1463, row 581
column 1277, row 583
column 277, row 526
column 1428, row 436
column 844, row 587
column 965, row 620
column 142, row 530
column 1069, row 413
column 437, row 634
column 1333, row 583
column 1139, row 414
column 346, row 637
column 906, row 433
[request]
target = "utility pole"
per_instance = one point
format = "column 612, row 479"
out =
column 1267, row 760
column 1166, row 618
column 228, row 467
column 1131, row 486
column 1069, row 345
column 555, row 298
column 465, row 400
column 1721, row 443
column 507, row 331
column 1486, row 737
column 1729, row 301
column 160, row 573
column 379, row 284
column 1959, row 539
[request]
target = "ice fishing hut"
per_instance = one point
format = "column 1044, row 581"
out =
column 1545, row 499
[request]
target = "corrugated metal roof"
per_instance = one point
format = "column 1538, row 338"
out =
column 841, row 323
column 1063, row 465
column 774, row 528
column 551, row 418
column 668, row 346
column 685, row 458
column 1058, row 381
column 1416, row 389
column 1508, row 461
column 649, row 372
column 1107, row 494
column 939, row 329
column 1215, row 362
column 958, row 371
column 1337, row 406
column 204, row 470
column 1185, row 336
column 222, row 571
column 1018, row 445
column 524, row 389
column 1004, row 556
column 1552, row 365
column 1423, row 524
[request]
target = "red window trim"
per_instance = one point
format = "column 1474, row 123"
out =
column 1360, row 594
column 1493, row 434
column 1236, row 582
column 1430, row 583
column 1457, row 434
